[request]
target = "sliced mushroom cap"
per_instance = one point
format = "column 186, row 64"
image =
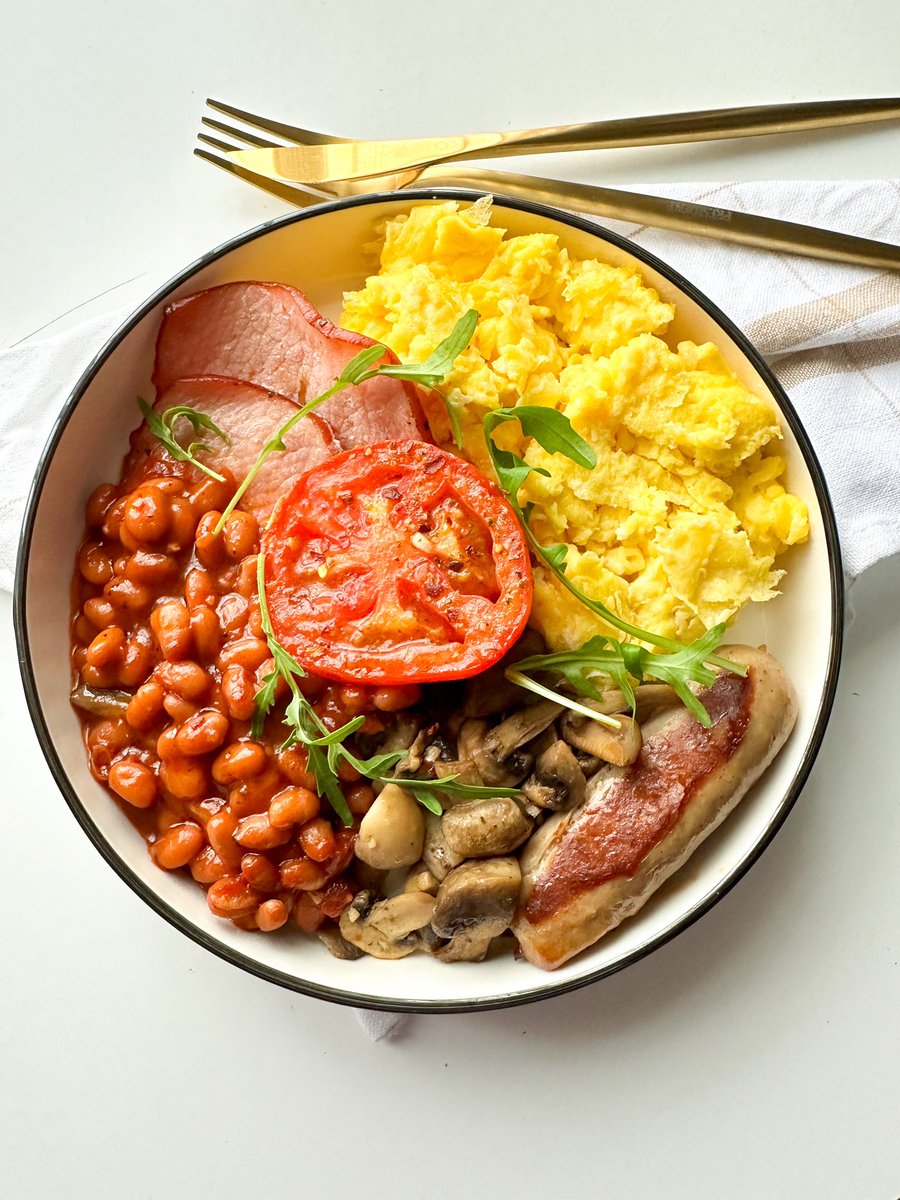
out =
column 388, row 929
column 335, row 943
column 469, row 946
column 481, row 828
column 500, row 760
column 420, row 879
column 436, row 854
column 558, row 781
column 392, row 833
column 618, row 746
column 477, row 896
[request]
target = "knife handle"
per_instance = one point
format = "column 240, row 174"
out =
column 683, row 216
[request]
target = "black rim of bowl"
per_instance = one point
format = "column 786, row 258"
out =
column 356, row 999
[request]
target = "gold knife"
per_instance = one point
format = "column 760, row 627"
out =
column 333, row 161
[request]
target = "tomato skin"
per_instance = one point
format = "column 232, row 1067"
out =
column 396, row 563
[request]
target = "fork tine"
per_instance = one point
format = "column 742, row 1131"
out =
column 284, row 191
column 215, row 143
column 239, row 134
column 293, row 133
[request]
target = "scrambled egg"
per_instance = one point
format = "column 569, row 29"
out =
column 679, row 524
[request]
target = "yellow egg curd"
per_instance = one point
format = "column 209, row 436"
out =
column 680, row 522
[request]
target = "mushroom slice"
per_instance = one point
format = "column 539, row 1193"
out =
column 617, row 746
column 463, row 770
column 477, row 899
column 436, row 854
column 481, row 828
column 420, row 879
column 651, row 697
column 558, row 781
column 336, row 944
column 469, row 946
column 389, row 928
column 497, row 759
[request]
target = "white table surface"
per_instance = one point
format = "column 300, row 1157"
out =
column 757, row 1055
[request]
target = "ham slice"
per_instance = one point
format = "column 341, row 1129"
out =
column 249, row 415
column 269, row 334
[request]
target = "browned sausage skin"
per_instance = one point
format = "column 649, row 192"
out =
column 585, row 871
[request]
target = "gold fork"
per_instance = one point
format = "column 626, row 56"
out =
column 681, row 216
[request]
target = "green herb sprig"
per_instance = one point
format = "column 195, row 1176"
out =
column 360, row 369
column 162, row 426
column 619, row 661
column 327, row 750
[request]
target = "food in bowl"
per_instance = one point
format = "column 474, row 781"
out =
column 303, row 665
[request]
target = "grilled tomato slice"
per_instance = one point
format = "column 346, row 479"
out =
column 396, row 563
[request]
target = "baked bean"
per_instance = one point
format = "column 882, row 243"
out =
column 294, row 764
column 344, row 846
column 240, row 536
column 82, row 629
column 220, row 833
column 255, row 794
column 249, row 652
column 148, row 514
column 393, row 699
column 271, row 915
column 165, row 743
column 307, row 915
column 238, row 761
column 99, row 677
column 99, row 503
column 94, row 563
column 360, row 798
column 150, row 567
column 206, row 633
column 204, row 810
column 188, row 679
column 317, row 840
column 246, row 580
column 293, row 806
column 354, row 699
column 127, row 596
column 211, row 494
column 105, row 742
column 233, row 897
column 232, row 612
column 209, row 545
column 260, row 872
column 254, row 620
column 137, row 663
column 134, row 782
column 184, row 778
column 182, row 524
column 238, row 691
column 255, row 833
column 107, row 647
column 178, row 709
column 99, row 612
column 112, row 518
column 177, row 846
column 302, row 874
column 348, row 774
column 335, row 898
column 171, row 625
column 207, row 867
column 204, row 732
column 146, row 705
column 199, row 588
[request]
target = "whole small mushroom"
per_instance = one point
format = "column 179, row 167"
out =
column 482, row 828
column 392, row 833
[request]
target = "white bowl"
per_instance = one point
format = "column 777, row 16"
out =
column 325, row 251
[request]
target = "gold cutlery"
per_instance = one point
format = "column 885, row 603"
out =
column 723, row 224
column 319, row 159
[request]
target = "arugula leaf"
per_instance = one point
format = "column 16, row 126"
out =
column 437, row 366
column 162, row 426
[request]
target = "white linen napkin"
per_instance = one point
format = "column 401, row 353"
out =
column 831, row 332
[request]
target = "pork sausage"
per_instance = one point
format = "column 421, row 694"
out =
column 586, row 870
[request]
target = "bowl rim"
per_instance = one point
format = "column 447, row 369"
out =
column 361, row 999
